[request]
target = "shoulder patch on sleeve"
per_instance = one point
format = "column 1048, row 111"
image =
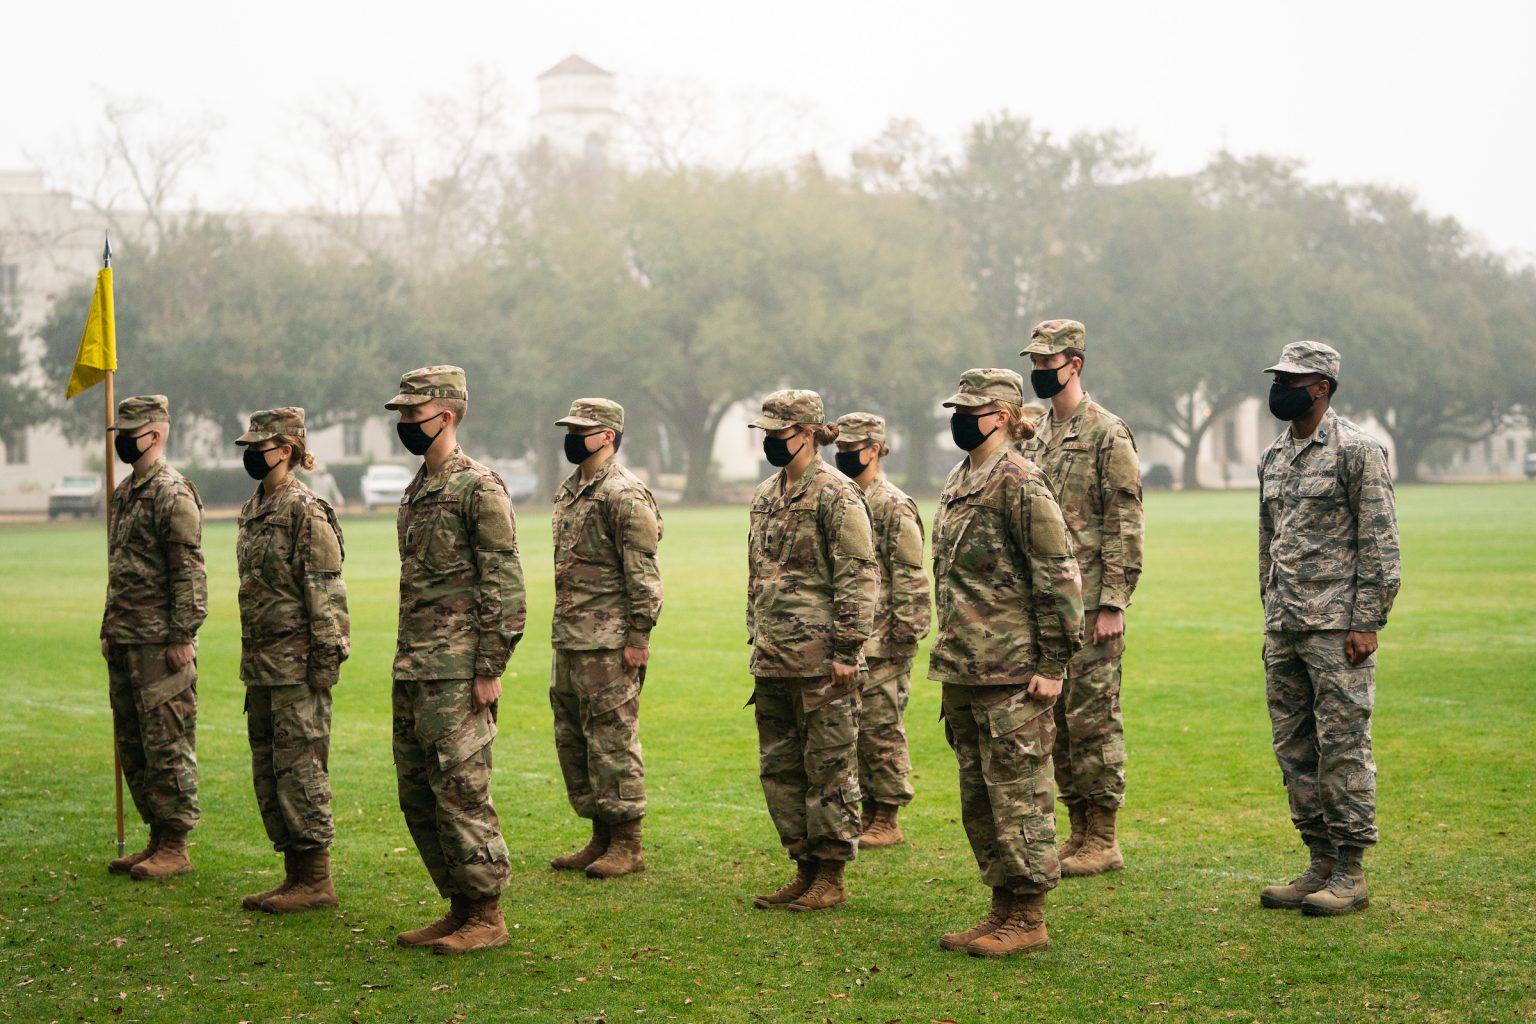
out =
column 854, row 534
column 184, row 521
column 323, row 552
column 909, row 537
column 641, row 524
column 1047, row 530
column 494, row 527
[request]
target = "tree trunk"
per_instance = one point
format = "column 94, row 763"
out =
column 698, row 437
column 917, row 439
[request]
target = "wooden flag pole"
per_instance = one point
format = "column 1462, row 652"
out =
column 111, row 477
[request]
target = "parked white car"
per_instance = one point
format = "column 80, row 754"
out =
column 384, row 484
column 79, row 494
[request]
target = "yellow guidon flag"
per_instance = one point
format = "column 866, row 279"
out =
column 98, row 344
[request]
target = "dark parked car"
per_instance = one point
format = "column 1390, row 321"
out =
column 79, row 494
column 1157, row 476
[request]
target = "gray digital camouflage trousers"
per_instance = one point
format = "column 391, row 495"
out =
column 807, row 745
column 884, row 764
column 596, row 702
column 443, row 769
column 154, row 716
column 1002, row 741
column 1089, row 754
column 1320, row 716
column 289, row 728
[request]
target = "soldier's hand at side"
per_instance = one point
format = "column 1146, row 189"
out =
column 1044, row 688
column 485, row 692
column 844, row 673
column 1108, row 625
column 634, row 657
column 1359, row 646
column 179, row 656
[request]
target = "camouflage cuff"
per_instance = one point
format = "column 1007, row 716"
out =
column 1114, row 598
column 638, row 639
column 179, row 638
column 1051, row 669
column 847, row 653
column 1367, row 626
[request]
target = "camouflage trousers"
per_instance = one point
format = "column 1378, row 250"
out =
column 1002, row 741
column 289, row 728
column 596, row 701
column 1090, row 734
column 154, row 716
column 1320, row 717
column 443, row 770
column 807, row 748
column 884, row 765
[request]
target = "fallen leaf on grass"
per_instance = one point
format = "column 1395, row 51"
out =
column 371, row 985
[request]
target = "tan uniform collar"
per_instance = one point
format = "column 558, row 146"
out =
column 812, row 469
column 575, row 488
column 972, row 480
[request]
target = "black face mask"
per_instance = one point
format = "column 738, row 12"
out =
column 256, row 463
column 1289, row 403
column 776, row 451
column 966, row 430
column 851, row 464
column 416, row 440
column 1047, row 383
column 127, row 447
column 576, row 448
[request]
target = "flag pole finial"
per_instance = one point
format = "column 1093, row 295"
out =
column 106, row 251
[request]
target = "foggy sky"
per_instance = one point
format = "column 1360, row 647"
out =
column 1434, row 97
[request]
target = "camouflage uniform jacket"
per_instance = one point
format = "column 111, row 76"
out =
column 462, row 602
column 157, row 588
column 902, row 613
column 607, row 584
column 812, row 579
column 1328, row 554
column 1094, row 471
column 1008, row 589
column 294, row 626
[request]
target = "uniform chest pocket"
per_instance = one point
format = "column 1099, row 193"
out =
column 800, row 547
column 435, row 535
column 1317, row 486
column 978, row 548
column 260, row 551
column 578, row 531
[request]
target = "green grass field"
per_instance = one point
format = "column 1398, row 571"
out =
column 1179, row 933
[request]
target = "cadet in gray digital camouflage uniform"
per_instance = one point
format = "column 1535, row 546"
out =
column 902, row 617
column 294, row 635
column 462, row 612
column 812, row 584
column 1329, row 571
column 607, row 599
column 157, row 598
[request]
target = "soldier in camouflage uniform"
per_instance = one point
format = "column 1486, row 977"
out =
column 1089, row 457
column 462, row 611
column 607, row 599
column 1010, row 616
column 901, row 620
column 157, row 598
column 1329, row 571
column 811, row 592
column 294, row 635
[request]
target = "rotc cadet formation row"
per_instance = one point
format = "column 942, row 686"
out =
column 1036, row 554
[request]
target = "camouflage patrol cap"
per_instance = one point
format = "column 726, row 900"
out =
column 427, row 383
column 594, row 412
column 1052, row 336
column 141, row 410
column 861, row 426
column 789, row 408
column 985, row 386
column 1308, row 357
column 267, row 424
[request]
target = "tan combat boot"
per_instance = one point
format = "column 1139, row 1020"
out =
column 805, row 874
column 826, row 891
column 1289, row 897
column 1002, row 903
column 458, row 913
column 312, row 888
column 169, row 859
column 882, row 829
column 1077, row 811
column 1023, row 931
column 623, row 856
column 483, row 929
column 1100, row 852
column 1345, row 890
column 124, row 865
column 595, row 848
column 290, row 876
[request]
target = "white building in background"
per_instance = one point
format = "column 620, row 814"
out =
column 576, row 116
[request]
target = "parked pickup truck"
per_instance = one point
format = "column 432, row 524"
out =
column 79, row 494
